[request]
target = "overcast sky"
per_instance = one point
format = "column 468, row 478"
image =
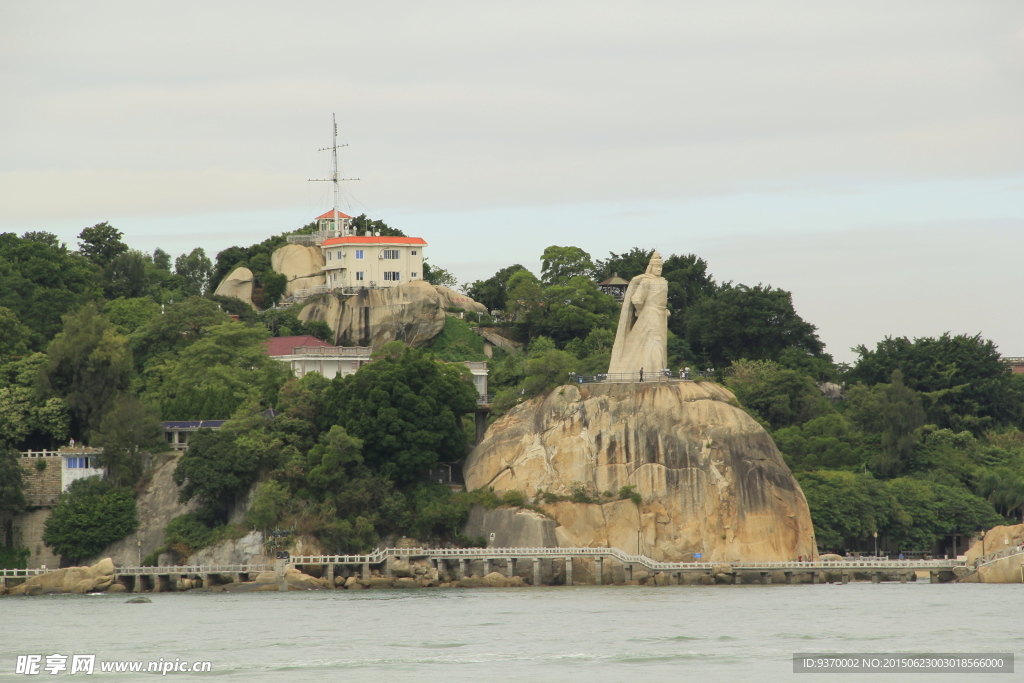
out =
column 867, row 156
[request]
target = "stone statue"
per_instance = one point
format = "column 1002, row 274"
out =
column 641, row 341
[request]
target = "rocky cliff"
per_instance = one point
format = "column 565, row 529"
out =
column 412, row 313
column 711, row 478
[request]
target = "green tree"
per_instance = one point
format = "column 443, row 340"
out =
column 229, row 360
column 180, row 325
column 573, row 308
column 88, row 365
column 215, row 472
column 780, row 397
column 269, row 503
column 12, row 484
column 194, row 270
column 406, row 409
column 560, row 264
column 161, row 259
column 101, row 244
column 964, row 382
column 363, row 225
column 128, row 315
column 14, row 337
column 756, row 323
column 525, row 302
column 88, row 517
column 40, row 282
column 492, row 292
column 902, row 416
column 125, row 275
column 129, row 428
column 436, row 275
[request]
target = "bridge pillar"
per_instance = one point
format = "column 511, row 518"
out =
column 627, row 570
column 536, row 571
column 387, row 566
column 510, row 564
column 789, row 578
column 736, row 578
column 815, row 577
column 441, row 566
column 366, row 571
column 329, row 574
column 279, row 576
column 903, row 577
column 140, row 584
column 876, row 577
column 463, row 568
column 766, row 577
column 677, row 578
column 599, row 570
column 933, row 577
column 568, row 571
column 487, row 566
column 846, row 577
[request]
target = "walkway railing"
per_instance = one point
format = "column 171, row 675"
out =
column 632, row 377
column 381, row 556
column 998, row 555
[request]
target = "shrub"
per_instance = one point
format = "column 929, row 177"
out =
column 88, row 517
column 630, row 492
column 578, row 493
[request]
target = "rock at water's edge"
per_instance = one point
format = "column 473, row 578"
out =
column 711, row 478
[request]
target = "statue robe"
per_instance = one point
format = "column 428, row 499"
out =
column 641, row 340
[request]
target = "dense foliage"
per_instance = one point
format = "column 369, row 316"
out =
column 89, row 516
column 919, row 441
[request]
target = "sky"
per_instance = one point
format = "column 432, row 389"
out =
column 868, row 157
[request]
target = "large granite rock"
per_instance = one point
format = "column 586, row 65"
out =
column 302, row 265
column 237, row 284
column 412, row 313
column 97, row 577
column 711, row 478
column 997, row 538
column 453, row 299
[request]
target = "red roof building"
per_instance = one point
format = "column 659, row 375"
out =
column 284, row 346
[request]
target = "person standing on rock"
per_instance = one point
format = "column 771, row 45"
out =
column 641, row 340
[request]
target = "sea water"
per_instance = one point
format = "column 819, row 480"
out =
column 582, row 633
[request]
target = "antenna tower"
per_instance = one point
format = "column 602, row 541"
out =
column 334, row 165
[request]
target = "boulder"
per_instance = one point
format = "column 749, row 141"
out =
column 453, row 299
column 83, row 586
column 406, row 582
column 997, row 538
column 238, row 284
column 116, row 588
column 711, row 478
column 413, row 313
column 470, row 582
column 495, row 580
column 401, row 569
column 301, row 265
column 380, row 582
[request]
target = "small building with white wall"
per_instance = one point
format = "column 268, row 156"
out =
column 372, row 261
column 305, row 354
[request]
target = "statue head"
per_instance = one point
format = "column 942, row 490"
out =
column 654, row 267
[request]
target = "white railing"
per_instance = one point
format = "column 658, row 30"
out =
column 363, row 351
column 485, row 399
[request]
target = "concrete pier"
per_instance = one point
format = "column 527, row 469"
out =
column 568, row 571
column 599, row 570
column 536, row 571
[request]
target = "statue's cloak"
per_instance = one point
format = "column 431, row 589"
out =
column 641, row 340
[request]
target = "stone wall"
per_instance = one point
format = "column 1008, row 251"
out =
column 28, row 533
column 41, row 487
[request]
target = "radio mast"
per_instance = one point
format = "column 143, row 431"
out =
column 334, row 165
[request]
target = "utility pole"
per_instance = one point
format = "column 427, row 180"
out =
column 334, row 167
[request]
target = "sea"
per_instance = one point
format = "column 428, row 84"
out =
column 569, row 633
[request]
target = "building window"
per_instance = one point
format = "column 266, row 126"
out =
column 330, row 254
column 413, row 252
column 359, row 253
column 359, row 273
column 391, row 254
column 77, row 463
column 392, row 276
column 414, row 275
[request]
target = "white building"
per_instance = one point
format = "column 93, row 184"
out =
column 372, row 261
column 308, row 354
